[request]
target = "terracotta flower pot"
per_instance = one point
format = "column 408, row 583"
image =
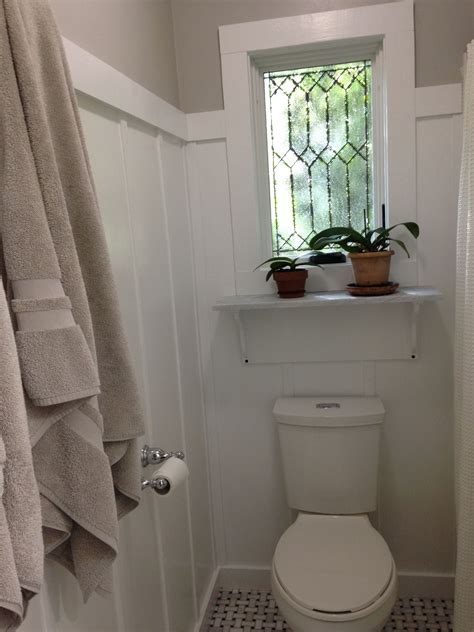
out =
column 291, row 283
column 371, row 268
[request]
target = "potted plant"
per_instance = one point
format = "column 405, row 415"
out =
column 289, row 276
column 368, row 250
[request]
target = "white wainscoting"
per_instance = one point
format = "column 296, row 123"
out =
column 435, row 585
column 416, row 508
column 170, row 269
column 166, row 565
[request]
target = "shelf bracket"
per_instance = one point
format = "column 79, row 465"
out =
column 415, row 311
column 242, row 336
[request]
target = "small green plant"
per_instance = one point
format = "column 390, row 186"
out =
column 350, row 240
column 285, row 263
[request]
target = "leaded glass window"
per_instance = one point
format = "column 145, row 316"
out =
column 319, row 135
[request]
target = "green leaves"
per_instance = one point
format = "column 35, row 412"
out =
column 401, row 244
column 352, row 241
column 284, row 263
column 411, row 226
column 344, row 237
column 349, row 240
column 275, row 260
column 380, row 243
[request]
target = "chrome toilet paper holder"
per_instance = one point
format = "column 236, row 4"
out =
column 160, row 485
column 156, row 456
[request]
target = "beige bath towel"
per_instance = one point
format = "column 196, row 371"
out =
column 21, row 545
column 82, row 401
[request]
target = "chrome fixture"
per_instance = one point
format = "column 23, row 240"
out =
column 159, row 484
column 328, row 405
column 156, row 456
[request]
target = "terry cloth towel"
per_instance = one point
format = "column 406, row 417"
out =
column 81, row 397
column 21, row 544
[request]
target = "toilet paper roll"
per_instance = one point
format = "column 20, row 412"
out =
column 174, row 471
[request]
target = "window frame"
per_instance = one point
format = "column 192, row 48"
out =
column 386, row 33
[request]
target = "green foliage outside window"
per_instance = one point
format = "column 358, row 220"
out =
column 319, row 131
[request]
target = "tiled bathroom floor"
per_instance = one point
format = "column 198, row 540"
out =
column 246, row 611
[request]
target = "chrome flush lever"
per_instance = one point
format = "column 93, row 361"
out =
column 155, row 456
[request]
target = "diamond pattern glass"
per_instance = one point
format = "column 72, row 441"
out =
column 319, row 133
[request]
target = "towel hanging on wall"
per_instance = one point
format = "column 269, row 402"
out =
column 81, row 397
column 21, row 545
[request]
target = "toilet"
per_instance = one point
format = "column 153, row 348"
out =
column 332, row 571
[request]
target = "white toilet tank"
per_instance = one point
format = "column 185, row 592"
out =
column 330, row 452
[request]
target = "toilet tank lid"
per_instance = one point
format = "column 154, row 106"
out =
column 329, row 411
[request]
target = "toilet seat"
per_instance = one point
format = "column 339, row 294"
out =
column 334, row 565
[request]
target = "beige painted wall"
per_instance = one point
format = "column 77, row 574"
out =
column 133, row 36
column 171, row 46
column 443, row 27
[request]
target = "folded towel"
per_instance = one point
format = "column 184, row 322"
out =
column 68, row 328
column 21, row 545
column 72, row 373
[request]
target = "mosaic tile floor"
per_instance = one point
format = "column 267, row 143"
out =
column 246, row 611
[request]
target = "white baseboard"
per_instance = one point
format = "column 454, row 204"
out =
column 208, row 600
column 434, row 585
column 246, row 578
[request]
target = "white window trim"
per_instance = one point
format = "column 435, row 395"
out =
column 244, row 47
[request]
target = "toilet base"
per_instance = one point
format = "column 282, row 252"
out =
column 372, row 619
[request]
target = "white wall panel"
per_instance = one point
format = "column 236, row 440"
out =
column 146, row 194
column 166, row 557
column 104, row 137
column 416, row 512
column 209, row 192
column 255, row 510
column 105, row 129
column 328, row 378
column 192, row 413
column 330, row 334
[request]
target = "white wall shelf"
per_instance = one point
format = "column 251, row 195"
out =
column 415, row 296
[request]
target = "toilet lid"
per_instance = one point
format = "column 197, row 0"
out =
column 333, row 564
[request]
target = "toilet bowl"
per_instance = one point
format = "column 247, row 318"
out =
column 333, row 573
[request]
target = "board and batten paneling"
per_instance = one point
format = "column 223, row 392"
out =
column 183, row 282
column 416, row 510
column 166, row 561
